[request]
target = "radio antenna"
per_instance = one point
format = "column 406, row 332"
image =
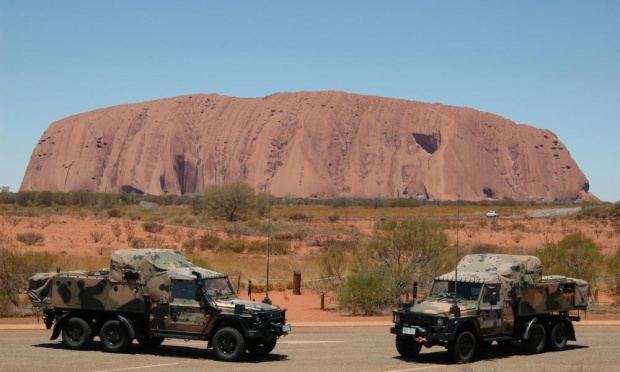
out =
column 454, row 309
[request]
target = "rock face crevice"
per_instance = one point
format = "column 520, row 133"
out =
column 307, row 144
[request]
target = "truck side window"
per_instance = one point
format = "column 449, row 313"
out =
column 183, row 290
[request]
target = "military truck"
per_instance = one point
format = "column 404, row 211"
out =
column 492, row 298
column 151, row 295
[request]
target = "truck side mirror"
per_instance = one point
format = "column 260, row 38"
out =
column 492, row 292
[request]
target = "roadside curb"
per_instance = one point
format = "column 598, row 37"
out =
column 368, row 323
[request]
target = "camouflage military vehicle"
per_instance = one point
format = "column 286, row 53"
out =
column 492, row 298
column 150, row 295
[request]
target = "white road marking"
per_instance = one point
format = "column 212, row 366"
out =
column 415, row 369
column 309, row 342
column 141, row 367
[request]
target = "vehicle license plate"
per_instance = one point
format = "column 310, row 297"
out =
column 408, row 331
column 286, row 328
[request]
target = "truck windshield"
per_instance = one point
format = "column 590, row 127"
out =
column 219, row 287
column 464, row 290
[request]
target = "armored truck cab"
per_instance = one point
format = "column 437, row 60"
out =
column 150, row 295
column 492, row 298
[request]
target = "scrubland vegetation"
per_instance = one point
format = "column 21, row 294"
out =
column 364, row 251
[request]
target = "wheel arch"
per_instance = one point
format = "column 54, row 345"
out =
column 228, row 322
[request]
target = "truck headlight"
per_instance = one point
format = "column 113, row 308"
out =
column 440, row 321
column 396, row 318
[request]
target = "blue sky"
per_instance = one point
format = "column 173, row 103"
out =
column 549, row 64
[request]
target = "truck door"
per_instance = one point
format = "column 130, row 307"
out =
column 494, row 318
column 185, row 313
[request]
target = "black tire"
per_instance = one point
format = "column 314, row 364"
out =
column 76, row 334
column 262, row 348
column 558, row 336
column 464, row 348
column 228, row 344
column 406, row 347
column 150, row 342
column 535, row 344
column 114, row 337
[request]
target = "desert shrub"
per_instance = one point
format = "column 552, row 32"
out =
column 189, row 222
column 232, row 245
column 298, row 216
column 208, row 241
column 576, row 256
column 519, row 226
column 408, row 250
column 45, row 222
column 368, row 289
column 114, row 213
column 189, row 245
column 30, row 238
column 116, row 229
column 333, row 264
column 517, row 237
column 485, row 248
column 155, row 241
column 175, row 233
column 231, row 202
column 137, row 242
column 15, row 269
column 495, row 227
column 290, row 235
column 272, row 246
column 152, row 226
column 97, row 236
column 613, row 271
column 13, row 221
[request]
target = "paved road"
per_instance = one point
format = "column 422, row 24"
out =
column 308, row 349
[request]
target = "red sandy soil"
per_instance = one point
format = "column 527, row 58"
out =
column 72, row 235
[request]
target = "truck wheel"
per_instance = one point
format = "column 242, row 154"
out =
column 114, row 337
column 76, row 334
column 150, row 342
column 406, row 347
column 228, row 344
column 262, row 348
column 535, row 344
column 558, row 336
column 464, row 347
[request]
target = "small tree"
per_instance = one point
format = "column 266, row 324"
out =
column 367, row 289
column 613, row 269
column 575, row 256
column 409, row 250
column 230, row 202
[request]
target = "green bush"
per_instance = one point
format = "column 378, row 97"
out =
column 369, row 289
column 232, row 245
column 30, row 238
column 575, row 256
column 519, row 226
column 273, row 246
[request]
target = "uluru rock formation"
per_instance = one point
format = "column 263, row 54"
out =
column 306, row 144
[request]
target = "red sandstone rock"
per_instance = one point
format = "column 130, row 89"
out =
column 306, row 144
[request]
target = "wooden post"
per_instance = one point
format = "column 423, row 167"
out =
column 354, row 308
column 322, row 301
column 297, row 282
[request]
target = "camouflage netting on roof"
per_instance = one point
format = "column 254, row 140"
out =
column 152, row 263
column 498, row 269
